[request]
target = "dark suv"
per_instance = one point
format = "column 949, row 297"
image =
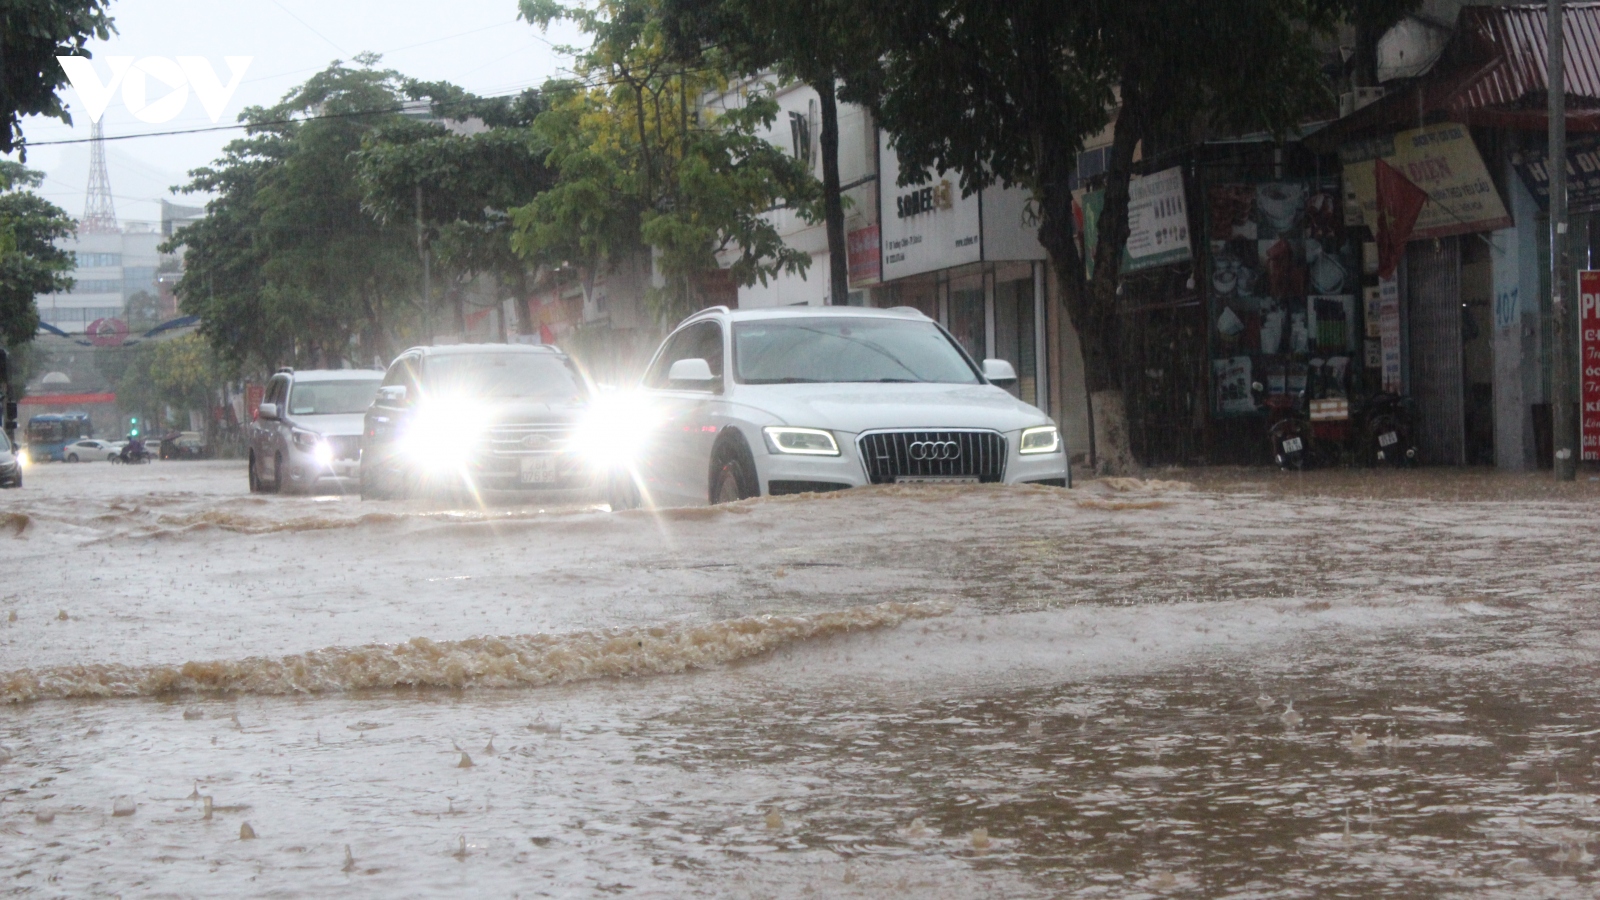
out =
column 475, row 417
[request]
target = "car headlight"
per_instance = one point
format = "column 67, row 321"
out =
column 615, row 429
column 444, row 434
column 1043, row 439
column 312, row 443
column 800, row 441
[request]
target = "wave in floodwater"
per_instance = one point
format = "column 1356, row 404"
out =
column 487, row 662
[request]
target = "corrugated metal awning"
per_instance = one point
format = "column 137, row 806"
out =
column 1492, row 73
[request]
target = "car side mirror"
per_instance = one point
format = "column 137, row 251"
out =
column 999, row 372
column 694, row 374
column 392, row 395
column 267, row 411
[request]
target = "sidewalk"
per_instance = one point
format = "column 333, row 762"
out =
column 1428, row 482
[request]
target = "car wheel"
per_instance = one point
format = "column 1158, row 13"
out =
column 733, row 474
column 371, row 489
column 622, row 492
column 277, row 474
column 72, row 457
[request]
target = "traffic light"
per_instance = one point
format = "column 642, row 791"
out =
column 133, row 426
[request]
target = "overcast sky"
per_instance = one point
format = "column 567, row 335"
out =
column 478, row 44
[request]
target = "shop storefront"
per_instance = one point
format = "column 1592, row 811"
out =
column 975, row 265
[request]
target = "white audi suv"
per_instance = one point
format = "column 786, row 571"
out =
column 746, row 403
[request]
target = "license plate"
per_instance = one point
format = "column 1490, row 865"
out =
column 1387, row 438
column 538, row 470
column 1293, row 445
column 934, row 479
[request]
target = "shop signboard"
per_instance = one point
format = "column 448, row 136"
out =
column 1583, row 173
column 928, row 226
column 1389, row 331
column 1158, row 222
column 1589, row 353
column 1440, row 159
column 865, row 261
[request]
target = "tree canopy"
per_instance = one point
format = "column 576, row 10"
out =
column 30, row 262
column 287, row 266
column 642, row 171
column 32, row 34
column 460, row 186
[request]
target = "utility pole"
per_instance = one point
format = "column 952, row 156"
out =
column 1563, row 359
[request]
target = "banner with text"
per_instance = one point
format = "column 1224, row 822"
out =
column 1440, row 159
column 1589, row 353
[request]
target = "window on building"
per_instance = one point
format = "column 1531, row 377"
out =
column 97, row 286
column 97, row 260
column 800, row 137
column 1014, row 334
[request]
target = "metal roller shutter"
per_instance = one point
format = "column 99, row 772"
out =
column 1433, row 312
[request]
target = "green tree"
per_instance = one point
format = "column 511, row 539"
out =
column 183, row 373
column 458, row 189
column 642, row 173
column 32, row 34
column 30, row 262
column 1007, row 92
column 287, row 266
column 817, row 42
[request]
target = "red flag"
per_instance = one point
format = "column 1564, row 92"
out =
column 1399, row 203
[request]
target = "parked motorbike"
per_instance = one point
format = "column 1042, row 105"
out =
column 1289, row 432
column 1386, row 433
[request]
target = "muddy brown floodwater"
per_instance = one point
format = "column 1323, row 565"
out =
column 1225, row 683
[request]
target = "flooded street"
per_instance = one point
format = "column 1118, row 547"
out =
column 1253, row 686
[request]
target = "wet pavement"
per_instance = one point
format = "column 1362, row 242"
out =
column 1262, row 686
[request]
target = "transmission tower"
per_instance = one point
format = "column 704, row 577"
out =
column 99, row 213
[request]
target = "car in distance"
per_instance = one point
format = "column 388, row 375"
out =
column 10, row 463
column 746, row 403
column 307, row 431
column 475, row 417
column 89, row 449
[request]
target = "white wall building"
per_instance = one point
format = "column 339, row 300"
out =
column 111, row 267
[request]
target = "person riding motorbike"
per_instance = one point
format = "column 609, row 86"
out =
column 133, row 451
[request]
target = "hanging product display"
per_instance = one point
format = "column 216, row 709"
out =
column 1285, row 278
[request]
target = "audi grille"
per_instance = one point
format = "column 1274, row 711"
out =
column 889, row 455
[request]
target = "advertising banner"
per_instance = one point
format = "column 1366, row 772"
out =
column 1441, row 160
column 866, row 264
column 1589, row 354
column 1389, row 332
column 1158, row 221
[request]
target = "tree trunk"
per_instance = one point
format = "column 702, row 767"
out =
column 833, row 203
column 1091, row 304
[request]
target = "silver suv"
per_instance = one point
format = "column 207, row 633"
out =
column 475, row 417
column 307, row 432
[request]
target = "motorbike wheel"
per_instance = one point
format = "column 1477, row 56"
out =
column 1291, row 459
column 1397, row 454
column 255, row 478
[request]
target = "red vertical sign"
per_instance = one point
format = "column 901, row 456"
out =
column 1589, row 353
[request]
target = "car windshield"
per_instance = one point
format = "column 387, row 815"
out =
column 332, row 398
column 520, row 376
column 846, row 349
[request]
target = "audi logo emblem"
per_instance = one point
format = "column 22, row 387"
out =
column 923, row 451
